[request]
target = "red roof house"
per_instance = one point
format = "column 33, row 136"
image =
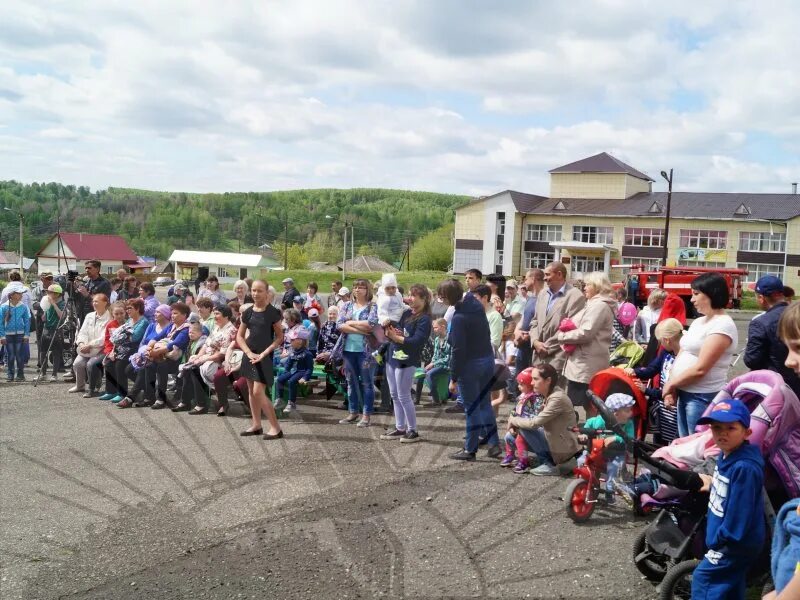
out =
column 71, row 250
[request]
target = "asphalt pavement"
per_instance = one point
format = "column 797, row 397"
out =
column 97, row 502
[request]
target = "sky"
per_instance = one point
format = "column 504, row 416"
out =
column 455, row 96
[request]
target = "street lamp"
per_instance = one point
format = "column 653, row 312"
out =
column 666, row 220
column 21, row 220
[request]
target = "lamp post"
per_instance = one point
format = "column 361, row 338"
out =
column 666, row 220
column 344, row 244
column 21, row 220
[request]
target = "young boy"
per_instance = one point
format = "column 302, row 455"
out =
column 621, row 405
column 735, row 528
column 51, row 335
column 440, row 363
column 298, row 367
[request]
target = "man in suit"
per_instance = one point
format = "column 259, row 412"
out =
column 556, row 301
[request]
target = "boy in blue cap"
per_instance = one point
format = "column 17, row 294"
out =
column 735, row 526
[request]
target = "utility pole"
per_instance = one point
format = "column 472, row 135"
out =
column 666, row 221
column 344, row 254
column 408, row 254
column 21, row 233
column 352, row 246
column 286, row 242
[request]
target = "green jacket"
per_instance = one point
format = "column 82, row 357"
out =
column 51, row 318
column 599, row 423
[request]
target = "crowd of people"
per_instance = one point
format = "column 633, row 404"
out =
column 536, row 344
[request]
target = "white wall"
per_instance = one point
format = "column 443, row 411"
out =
column 502, row 203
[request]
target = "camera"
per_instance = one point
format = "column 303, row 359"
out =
column 72, row 276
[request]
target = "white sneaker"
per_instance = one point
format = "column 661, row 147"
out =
column 53, row 378
column 74, row 389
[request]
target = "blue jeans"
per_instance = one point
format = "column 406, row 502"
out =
column 537, row 442
column 360, row 373
column 429, row 379
column 690, row 409
column 475, row 386
column 287, row 380
column 14, row 355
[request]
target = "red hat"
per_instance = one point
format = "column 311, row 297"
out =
column 525, row 377
column 673, row 308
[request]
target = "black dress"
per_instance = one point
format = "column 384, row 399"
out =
column 260, row 324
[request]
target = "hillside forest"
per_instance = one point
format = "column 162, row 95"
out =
column 310, row 222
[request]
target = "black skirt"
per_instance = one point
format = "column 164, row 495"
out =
column 260, row 371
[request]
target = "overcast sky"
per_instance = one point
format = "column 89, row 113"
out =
column 444, row 95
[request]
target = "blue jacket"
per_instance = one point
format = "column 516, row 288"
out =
column 151, row 334
column 301, row 363
column 735, row 506
column 415, row 334
column 786, row 544
column 654, row 368
column 469, row 336
column 19, row 320
column 765, row 350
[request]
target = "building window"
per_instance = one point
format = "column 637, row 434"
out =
column 704, row 238
column 644, row 236
column 587, row 264
column 223, row 272
column 542, row 233
column 110, row 270
column 701, row 263
column 593, row 235
column 756, row 271
column 762, row 241
column 498, row 259
column 538, row 260
column 501, row 223
column 649, row 263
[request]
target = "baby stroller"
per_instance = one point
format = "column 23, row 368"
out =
column 627, row 355
column 583, row 492
column 670, row 548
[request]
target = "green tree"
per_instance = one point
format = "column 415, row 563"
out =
column 434, row 251
column 297, row 257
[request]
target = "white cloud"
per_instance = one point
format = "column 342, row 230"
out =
column 457, row 95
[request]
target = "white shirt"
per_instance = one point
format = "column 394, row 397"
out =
column 691, row 343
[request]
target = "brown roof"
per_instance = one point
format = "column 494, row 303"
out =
column 367, row 264
column 687, row 205
column 601, row 163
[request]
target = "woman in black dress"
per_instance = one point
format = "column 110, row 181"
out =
column 263, row 321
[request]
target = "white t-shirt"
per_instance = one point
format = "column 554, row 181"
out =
column 691, row 343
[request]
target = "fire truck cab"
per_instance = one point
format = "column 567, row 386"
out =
column 639, row 281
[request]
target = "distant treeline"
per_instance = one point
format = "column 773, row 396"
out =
column 155, row 223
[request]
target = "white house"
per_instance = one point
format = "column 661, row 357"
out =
column 227, row 266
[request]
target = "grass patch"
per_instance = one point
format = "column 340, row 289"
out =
column 324, row 278
column 749, row 301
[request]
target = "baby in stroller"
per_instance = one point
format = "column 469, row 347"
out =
column 615, row 450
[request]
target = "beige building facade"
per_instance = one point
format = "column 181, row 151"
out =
column 601, row 215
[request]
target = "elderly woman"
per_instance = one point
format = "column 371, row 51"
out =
column 208, row 361
column 167, row 349
column 89, row 345
column 357, row 320
column 701, row 367
column 549, row 434
column 148, row 295
column 212, row 292
column 144, row 375
column 586, row 344
column 242, row 293
column 471, row 367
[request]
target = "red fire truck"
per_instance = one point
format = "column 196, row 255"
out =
column 677, row 280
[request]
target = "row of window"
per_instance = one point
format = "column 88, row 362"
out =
column 587, row 264
column 749, row 241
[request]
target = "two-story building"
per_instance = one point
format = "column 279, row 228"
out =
column 602, row 213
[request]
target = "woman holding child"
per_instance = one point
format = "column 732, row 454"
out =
column 407, row 341
column 549, row 434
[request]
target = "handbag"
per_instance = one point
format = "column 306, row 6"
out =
column 236, row 360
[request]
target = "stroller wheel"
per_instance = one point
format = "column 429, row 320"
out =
column 578, row 501
column 677, row 584
column 650, row 564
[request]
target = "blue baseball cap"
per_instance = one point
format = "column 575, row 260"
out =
column 727, row 411
column 769, row 285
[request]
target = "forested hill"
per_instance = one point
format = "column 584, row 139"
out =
column 155, row 223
